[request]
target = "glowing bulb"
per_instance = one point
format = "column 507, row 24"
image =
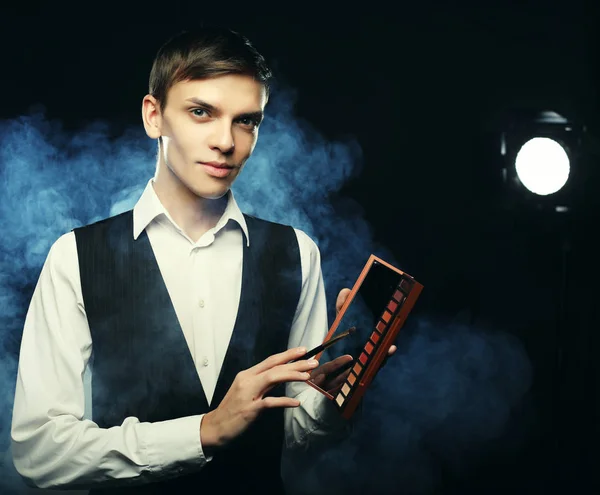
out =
column 542, row 166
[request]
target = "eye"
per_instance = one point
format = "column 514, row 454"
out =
column 199, row 112
column 249, row 122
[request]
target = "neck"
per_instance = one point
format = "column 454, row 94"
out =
column 193, row 214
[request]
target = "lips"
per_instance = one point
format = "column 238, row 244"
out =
column 217, row 164
column 216, row 169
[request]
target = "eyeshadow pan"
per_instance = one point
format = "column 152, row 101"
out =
column 392, row 306
column 351, row 378
column 386, row 316
column 405, row 285
column 380, row 327
column 398, row 296
column 339, row 399
column 345, row 389
column 368, row 347
column 357, row 368
column 363, row 358
column 375, row 337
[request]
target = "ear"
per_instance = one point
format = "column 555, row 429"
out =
column 151, row 116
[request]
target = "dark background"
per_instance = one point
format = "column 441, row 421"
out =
column 423, row 89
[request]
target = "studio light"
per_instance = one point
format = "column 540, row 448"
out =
column 542, row 166
column 540, row 151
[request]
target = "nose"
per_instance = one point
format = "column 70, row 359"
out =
column 221, row 137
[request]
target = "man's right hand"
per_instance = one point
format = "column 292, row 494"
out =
column 245, row 399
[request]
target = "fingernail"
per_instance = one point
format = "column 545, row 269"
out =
column 301, row 350
column 313, row 362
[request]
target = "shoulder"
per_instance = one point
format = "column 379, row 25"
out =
column 308, row 247
column 257, row 222
column 63, row 252
column 310, row 255
column 124, row 217
column 63, row 245
column 269, row 231
column 62, row 257
column 303, row 238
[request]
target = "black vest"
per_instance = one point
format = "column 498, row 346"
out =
column 142, row 365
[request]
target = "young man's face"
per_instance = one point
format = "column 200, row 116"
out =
column 209, row 128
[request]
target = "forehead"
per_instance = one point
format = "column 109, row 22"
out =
column 235, row 92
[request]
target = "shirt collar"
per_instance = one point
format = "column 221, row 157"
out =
column 149, row 207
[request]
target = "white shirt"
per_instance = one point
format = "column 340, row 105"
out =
column 54, row 441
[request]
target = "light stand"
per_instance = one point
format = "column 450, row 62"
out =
column 551, row 211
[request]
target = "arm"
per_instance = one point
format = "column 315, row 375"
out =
column 317, row 416
column 53, row 443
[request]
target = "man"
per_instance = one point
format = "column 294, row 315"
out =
column 185, row 312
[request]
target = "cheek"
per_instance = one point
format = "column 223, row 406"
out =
column 181, row 142
column 245, row 143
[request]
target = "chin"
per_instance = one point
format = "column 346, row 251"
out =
column 210, row 193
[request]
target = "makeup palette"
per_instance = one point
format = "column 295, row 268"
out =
column 377, row 308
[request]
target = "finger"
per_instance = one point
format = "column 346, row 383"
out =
column 302, row 365
column 318, row 380
column 339, row 380
column 277, row 359
column 341, row 299
column 281, row 374
column 391, row 351
column 334, row 390
column 321, row 376
column 272, row 402
column 290, row 372
column 331, row 366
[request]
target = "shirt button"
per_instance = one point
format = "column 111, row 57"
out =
column 205, row 362
column 201, row 303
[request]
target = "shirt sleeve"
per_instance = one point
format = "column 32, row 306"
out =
column 316, row 417
column 53, row 443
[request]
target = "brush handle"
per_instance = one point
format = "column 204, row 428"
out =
column 322, row 347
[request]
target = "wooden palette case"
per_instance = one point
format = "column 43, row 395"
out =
column 377, row 307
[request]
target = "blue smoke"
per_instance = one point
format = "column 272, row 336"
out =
column 449, row 391
column 441, row 403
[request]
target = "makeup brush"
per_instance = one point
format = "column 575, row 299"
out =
column 325, row 345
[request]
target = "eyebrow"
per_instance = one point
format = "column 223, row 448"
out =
column 257, row 116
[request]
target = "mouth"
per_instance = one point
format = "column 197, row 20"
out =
column 218, row 164
column 216, row 169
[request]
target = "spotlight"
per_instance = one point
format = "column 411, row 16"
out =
column 540, row 151
column 542, row 166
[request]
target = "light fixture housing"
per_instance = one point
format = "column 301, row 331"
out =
column 539, row 153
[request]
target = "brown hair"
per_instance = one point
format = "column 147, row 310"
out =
column 203, row 53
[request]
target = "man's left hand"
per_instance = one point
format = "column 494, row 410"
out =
column 339, row 303
column 319, row 376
